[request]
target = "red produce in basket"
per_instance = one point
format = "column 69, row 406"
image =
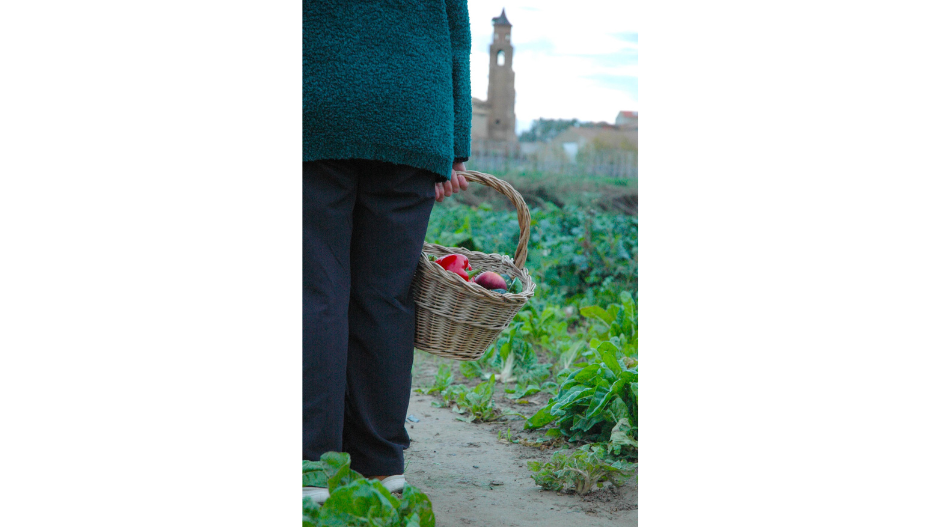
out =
column 455, row 263
column 490, row 280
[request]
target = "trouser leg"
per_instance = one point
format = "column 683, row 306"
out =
column 329, row 193
column 390, row 221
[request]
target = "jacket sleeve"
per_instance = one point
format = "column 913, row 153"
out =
column 458, row 18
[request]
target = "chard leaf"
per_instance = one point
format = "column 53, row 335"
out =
column 416, row 505
column 621, row 316
column 612, row 311
column 630, row 375
column 541, row 418
column 618, row 408
column 413, row 520
column 569, row 382
column 629, row 306
column 598, row 313
column 608, row 346
column 587, row 423
column 471, row 370
column 601, row 398
column 616, row 329
column 336, row 466
column 547, row 314
column 314, row 474
column 311, row 512
column 621, row 436
column 531, row 389
column 505, row 349
column 586, row 375
column 360, row 502
column 577, row 393
column 485, row 389
column 609, row 356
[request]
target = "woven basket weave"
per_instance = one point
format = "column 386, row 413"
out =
column 459, row 320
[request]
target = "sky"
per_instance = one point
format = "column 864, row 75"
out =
column 562, row 48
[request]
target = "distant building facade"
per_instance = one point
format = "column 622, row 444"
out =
column 627, row 120
column 494, row 120
column 576, row 138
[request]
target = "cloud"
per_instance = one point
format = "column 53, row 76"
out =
column 618, row 59
column 628, row 36
column 616, row 82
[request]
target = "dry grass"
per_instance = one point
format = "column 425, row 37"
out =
column 541, row 189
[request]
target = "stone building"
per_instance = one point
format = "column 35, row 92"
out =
column 627, row 120
column 494, row 120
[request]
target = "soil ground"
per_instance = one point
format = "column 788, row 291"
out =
column 474, row 479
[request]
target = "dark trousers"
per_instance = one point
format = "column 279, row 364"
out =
column 364, row 227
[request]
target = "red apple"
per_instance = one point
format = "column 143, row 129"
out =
column 490, row 280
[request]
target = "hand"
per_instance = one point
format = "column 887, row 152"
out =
column 455, row 185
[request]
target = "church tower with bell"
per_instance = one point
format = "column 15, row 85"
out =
column 501, row 93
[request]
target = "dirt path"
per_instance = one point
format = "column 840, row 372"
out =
column 474, row 479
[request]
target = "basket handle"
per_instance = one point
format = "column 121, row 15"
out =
column 521, row 209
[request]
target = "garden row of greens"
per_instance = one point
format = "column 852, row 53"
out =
column 576, row 340
column 576, row 256
column 589, row 367
column 355, row 500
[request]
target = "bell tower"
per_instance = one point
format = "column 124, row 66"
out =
column 501, row 93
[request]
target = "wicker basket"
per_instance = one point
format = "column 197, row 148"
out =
column 459, row 320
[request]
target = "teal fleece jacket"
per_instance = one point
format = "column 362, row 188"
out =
column 387, row 81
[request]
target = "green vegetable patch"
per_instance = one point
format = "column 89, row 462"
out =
column 598, row 399
column 357, row 501
column 580, row 470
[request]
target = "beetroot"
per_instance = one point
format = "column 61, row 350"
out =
column 490, row 280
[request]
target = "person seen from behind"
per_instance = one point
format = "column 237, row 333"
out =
column 386, row 126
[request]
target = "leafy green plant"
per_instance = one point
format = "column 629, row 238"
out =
column 476, row 403
column 535, row 373
column 545, row 328
column 357, row 501
column 580, row 470
column 514, row 359
column 471, row 369
column 311, row 515
column 442, row 380
column 592, row 401
column 540, row 443
column 567, row 357
column 598, row 399
column 519, row 393
column 332, row 470
column 506, row 437
column 452, row 395
column 617, row 323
